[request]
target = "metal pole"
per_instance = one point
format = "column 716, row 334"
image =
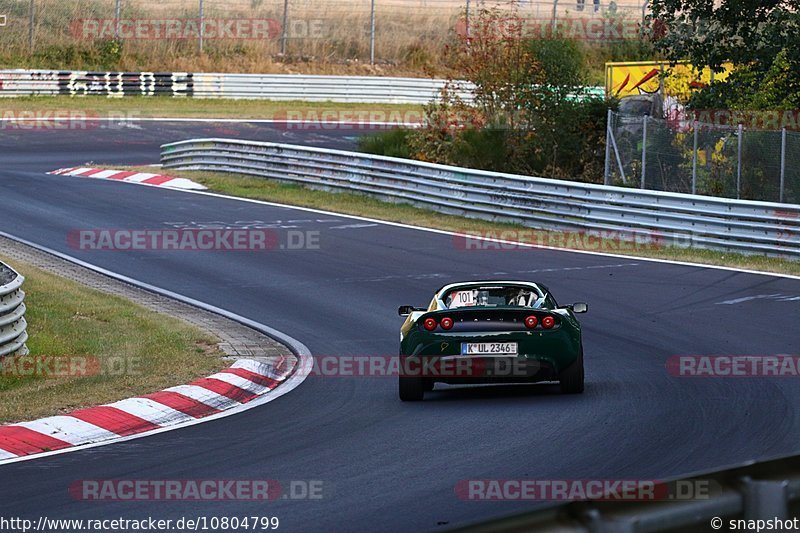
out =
column 607, row 172
column 372, row 34
column 555, row 17
column 739, row 165
column 284, row 34
column 644, row 151
column 644, row 14
column 783, row 163
column 694, row 161
column 202, row 20
column 31, row 20
column 467, row 22
column 117, row 16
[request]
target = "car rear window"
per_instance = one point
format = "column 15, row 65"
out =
column 500, row 296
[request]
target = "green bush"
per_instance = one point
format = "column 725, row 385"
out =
column 392, row 143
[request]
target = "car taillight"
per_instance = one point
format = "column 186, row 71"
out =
column 429, row 324
column 548, row 322
column 531, row 321
column 446, row 323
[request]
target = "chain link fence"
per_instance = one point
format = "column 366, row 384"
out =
column 383, row 31
column 685, row 156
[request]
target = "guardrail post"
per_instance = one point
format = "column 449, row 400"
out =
column 200, row 30
column 739, row 164
column 117, row 16
column 285, row 29
column 783, row 163
column 694, row 161
column 607, row 170
column 644, row 150
column 372, row 33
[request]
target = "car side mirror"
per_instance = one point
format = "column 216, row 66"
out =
column 405, row 310
column 580, row 307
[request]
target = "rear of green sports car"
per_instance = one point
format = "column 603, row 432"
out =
column 490, row 332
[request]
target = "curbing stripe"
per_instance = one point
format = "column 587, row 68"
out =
column 204, row 395
column 268, row 382
column 182, row 403
column 20, row 440
column 240, row 382
column 114, row 420
column 244, row 381
column 142, row 178
column 68, row 429
column 224, row 388
column 152, row 411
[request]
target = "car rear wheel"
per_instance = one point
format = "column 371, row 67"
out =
column 571, row 378
column 411, row 388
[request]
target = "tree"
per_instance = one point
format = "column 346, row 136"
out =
column 760, row 37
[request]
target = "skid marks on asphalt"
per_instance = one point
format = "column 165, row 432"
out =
column 255, row 224
column 777, row 297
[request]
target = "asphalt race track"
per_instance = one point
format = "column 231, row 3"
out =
column 387, row 465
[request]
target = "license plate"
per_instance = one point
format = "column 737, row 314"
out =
column 488, row 348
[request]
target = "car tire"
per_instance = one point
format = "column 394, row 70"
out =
column 412, row 389
column 571, row 378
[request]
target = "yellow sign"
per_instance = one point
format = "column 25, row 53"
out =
column 648, row 77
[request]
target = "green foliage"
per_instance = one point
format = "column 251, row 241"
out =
column 529, row 115
column 392, row 143
column 759, row 38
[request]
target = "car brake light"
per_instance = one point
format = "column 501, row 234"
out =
column 531, row 321
column 429, row 324
column 548, row 322
column 446, row 322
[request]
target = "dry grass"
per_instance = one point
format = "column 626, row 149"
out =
column 361, row 205
column 140, row 351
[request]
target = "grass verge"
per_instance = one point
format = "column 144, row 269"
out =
column 126, row 350
column 147, row 107
column 362, row 205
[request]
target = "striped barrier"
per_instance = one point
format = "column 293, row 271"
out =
column 13, row 327
column 233, row 387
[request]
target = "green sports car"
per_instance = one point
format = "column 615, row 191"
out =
column 490, row 332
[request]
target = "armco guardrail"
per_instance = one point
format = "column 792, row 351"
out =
column 676, row 219
column 763, row 491
column 365, row 89
column 13, row 332
column 209, row 85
